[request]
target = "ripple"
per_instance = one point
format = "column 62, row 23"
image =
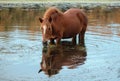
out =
column 114, row 25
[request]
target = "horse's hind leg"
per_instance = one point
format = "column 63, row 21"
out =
column 83, row 21
column 74, row 40
column 81, row 37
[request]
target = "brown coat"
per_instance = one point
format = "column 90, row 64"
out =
column 64, row 25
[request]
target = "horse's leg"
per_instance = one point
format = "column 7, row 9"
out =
column 74, row 40
column 58, row 41
column 52, row 41
column 81, row 37
column 60, row 35
column 82, row 34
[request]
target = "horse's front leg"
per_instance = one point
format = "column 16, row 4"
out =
column 74, row 40
column 52, row 41
column 60, row 35
column 58, row 41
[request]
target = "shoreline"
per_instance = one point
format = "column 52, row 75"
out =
column 63, row 5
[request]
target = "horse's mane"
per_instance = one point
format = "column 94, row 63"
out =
column 51, row 11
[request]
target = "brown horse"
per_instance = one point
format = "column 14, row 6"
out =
column 57, row 25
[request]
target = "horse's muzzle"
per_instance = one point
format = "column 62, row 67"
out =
column 44, row 43
column 44, row 40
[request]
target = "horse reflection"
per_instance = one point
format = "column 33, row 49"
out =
column 54, row 58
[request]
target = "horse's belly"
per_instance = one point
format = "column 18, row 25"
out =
column 71, row 31
column 65, row 37
column 69, row 34
column 71, row 28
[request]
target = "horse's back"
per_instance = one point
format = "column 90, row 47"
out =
column 77, row 15
column 73, row 11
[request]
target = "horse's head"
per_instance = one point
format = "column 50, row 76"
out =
column 46, row 28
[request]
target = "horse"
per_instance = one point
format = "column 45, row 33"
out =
column 57, row 25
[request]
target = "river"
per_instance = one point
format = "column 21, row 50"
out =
column 22, row 54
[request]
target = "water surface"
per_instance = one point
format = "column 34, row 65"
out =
column 22, row 54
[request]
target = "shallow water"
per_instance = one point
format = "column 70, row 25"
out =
column 22, row 53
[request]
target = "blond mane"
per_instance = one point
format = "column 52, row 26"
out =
column 51, row 11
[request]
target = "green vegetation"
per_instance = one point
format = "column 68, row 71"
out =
column 62, row 4
column 29, row 1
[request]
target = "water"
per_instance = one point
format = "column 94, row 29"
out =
column 22, row 54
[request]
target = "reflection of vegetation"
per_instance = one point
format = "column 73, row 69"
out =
column 27, row 19
column 19, row 17
column 101, row 18
column 54, row 58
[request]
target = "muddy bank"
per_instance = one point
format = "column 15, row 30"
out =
column 61, row 5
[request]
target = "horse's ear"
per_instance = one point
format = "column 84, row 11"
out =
column 41, row 20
